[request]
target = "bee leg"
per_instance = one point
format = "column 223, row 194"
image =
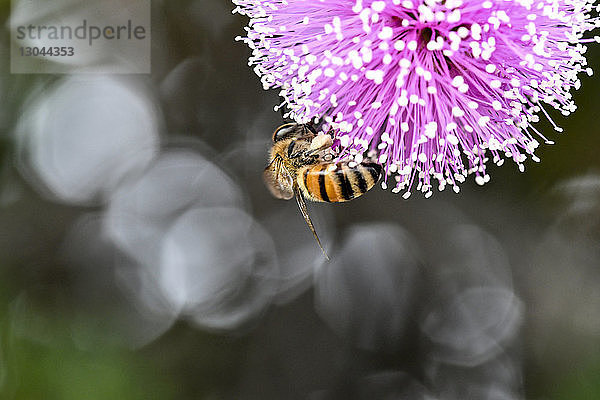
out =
column 304, row 211
column 310, row 156
column 312, row 153
column 306, row 155
column 290, row 151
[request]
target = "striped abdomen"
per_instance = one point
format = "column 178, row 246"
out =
column 336, row 182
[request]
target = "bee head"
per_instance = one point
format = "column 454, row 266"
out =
column 293, row 130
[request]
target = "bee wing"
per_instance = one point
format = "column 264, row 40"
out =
column 278, row 180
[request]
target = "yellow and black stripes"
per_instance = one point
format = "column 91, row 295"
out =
column 339, row 182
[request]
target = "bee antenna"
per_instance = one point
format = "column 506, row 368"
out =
column 304, row 211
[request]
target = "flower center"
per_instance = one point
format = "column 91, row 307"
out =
column 424, row 36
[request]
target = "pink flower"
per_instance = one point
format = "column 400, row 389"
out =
column 433, row 89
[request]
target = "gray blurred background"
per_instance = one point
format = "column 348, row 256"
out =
column 141, row 257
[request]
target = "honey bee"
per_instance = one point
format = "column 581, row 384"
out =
column 298, row 167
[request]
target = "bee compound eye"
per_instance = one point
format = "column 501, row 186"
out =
column 286, row 131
